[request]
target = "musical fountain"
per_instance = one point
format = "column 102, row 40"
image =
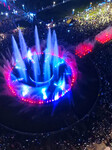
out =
column 37, row 76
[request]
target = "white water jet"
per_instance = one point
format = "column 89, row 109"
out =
column 18, row 59
column 37, row 41
column 23, row 46
column 56, row 53
column 36, row 67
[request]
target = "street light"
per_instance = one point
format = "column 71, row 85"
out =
column 6, row 14
column 54, row 3
column 23, row 6
column 73, row 10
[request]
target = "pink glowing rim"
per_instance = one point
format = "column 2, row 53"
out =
column 38, row 101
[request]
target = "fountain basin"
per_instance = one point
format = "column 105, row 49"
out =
column 42, row 91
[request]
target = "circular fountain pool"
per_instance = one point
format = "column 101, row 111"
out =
column 36, row 76
column 42, row 79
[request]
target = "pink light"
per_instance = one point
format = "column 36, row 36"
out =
column 4, row 4
column 84, row 48
column 9, row 7
column 104, row 36
column 71, row 64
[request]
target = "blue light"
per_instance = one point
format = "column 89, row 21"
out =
column 29, row 55
column 59, row 63
column 18, row 67
column 61, row 84
column 55, row 84
column 56, row 96
column 20, row 79
column 3, row 1
column 100, row 4
column 68, row 73
column 71, row 24
column 25, row 90
column 32, row 14
column 44, row 93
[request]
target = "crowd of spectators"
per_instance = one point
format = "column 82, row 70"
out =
column 6, row 25
column 96, row 17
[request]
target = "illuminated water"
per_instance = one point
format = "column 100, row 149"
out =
column 52, row 46
column 37, row 76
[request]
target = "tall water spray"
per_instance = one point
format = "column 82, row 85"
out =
column 19, row 61
column 37, row 76
column 36, row 67
column 37, row 41
column 23, row 46
column 56, row 52
column 49, row 61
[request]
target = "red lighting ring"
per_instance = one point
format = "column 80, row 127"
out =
column 31, row 101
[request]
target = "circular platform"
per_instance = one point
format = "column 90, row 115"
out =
column 54, row 116
column 34, row 83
